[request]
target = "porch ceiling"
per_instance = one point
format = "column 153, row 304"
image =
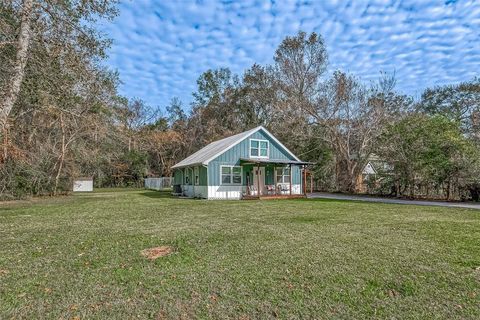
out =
column 272, row 161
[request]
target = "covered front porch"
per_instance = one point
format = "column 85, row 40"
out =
column 274, row 179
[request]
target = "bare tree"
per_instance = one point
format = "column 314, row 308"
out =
column 353, row 116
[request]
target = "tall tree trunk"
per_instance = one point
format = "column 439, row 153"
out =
column 13, row 84
column 449, row 186
column 412, row 188
column 5, row 143
column 62, row 157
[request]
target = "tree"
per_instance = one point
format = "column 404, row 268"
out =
column 428, row 151
column 459, row 102
column 352, row 117
column 177, row 118
column 300, row 62
column 61, row 26
column 13, row 83
column 259, row 96
column 134, row 115
column 65, row 97
column 215, row 111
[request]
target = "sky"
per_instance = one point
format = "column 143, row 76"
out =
column 161, row 47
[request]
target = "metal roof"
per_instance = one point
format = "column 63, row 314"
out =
column 214, row 149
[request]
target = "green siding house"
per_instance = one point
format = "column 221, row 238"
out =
column 251, row 164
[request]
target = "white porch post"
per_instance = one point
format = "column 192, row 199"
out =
column 258, row 179
column 291, row 176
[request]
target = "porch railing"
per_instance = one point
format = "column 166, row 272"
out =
column 269, row 190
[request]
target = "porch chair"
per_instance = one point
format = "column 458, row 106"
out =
column 270, row 189
column 252, row 190
column 282, row 188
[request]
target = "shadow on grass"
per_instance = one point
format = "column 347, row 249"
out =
column 162, row 194
column 305, row 219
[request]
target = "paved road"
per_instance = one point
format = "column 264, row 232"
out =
column 337, row 196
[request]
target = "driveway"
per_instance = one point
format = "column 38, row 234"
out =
column 337, row 196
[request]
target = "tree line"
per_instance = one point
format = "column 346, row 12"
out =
column 62, row 116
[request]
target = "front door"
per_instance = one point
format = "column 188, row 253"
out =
column 259, row 179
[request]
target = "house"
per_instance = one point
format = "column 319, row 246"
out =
column 372, row 172
column 368, row 174
column 249, row 165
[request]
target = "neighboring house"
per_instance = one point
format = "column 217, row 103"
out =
column 371, row 173
column 251, row 164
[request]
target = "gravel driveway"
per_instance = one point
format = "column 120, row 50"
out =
column 337, row 196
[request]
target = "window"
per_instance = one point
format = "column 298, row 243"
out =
column 197, row 177
column 283, row 175
column 187, row 175
column 231, row 175
column 258, row 148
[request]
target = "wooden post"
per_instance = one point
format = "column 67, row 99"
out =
column 274, row 179
column 291, row 176
column 311, row 182
column 258, row 180
column 305, row 180
column 247, row 176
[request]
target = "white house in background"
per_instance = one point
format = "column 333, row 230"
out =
column 372, row 172
column 369, row 169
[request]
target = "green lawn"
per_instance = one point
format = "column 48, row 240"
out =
column 79, row 257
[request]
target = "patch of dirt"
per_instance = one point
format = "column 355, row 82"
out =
column 392, row 293
column 157, row 252
column 476, row 272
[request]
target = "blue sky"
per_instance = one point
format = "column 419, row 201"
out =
column 161, row 47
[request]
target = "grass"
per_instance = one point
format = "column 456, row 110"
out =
column 79, row 257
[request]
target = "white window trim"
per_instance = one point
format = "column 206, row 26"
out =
column 186, row 175
column 259, row 157
column 231, row 176
column 196, row 174
column 283, row 175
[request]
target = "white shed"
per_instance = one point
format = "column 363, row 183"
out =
column 83, row 185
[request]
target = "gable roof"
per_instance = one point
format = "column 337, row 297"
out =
column 369, row 169
column 216, row 148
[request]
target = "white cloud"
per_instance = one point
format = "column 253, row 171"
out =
column 160, row 48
